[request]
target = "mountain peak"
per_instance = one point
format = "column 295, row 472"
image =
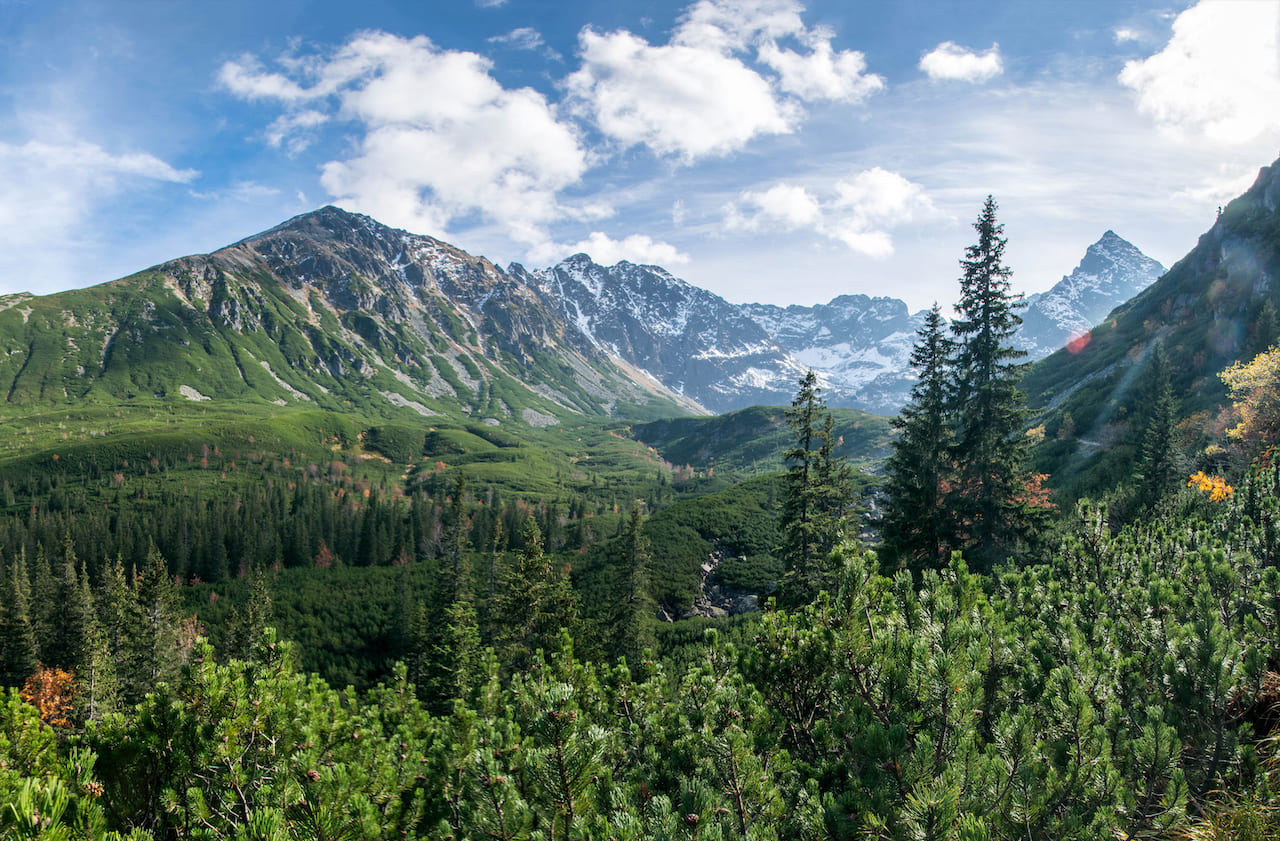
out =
column 1112, row 271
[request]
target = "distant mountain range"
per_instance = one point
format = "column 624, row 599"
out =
column 335, row 309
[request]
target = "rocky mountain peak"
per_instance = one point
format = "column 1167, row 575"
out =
column 1111, row 272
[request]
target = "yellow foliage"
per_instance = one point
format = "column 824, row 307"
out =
column 1215, row 486
column 1254, row 387
column 1036, row 434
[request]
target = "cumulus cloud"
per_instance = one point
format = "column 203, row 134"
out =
column 50, row 191
column 784, row 207
column 637, row 248
column 859, row 212
column 949, row 61
column 472, row 146
column 675, row 99
column 1219, row 75
column 1124, row 35
column 730, row 72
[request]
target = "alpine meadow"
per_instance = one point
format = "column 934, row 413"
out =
column 343, row 531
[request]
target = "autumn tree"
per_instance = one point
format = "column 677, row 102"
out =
column 1254, row 388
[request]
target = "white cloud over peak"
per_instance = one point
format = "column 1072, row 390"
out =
column 859, row 212
column 730, row 72
column 423, row 161
column 951, row 62
column 1219, row 75
column 637, row 248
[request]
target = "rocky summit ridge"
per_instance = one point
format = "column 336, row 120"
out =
column 334, row 309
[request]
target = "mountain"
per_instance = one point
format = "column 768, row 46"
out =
column 1112, row 271
column 330, row 309
column 1215, row 306
column 692, row 341
column 335, row 310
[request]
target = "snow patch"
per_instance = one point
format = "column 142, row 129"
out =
column 191, row 394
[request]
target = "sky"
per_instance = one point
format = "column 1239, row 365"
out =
column 767, row 150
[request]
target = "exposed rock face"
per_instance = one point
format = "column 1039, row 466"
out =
column 1112, row 271
column 334, row 308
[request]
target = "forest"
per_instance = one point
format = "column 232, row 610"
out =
column 259, row 639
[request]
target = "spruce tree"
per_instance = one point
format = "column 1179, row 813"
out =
column 634, row 606
column 817, row 498
column 916, row 528
column 1158, row 464
column 990, row 450
column 17, row 636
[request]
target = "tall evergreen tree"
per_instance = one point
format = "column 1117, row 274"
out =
column 634, row 605
column 1158, row 465
column 17, row 636
column 990, row 450
column 916, row 528
column 817, row 500
column 154, row 634
column 447, row 635
column 71, row 615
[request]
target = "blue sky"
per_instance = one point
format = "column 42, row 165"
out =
column 767, row 150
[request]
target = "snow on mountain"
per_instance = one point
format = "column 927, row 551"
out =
column 692, row 340
column 1112, row 271
column 859, row 344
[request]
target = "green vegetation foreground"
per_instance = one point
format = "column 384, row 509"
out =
column 1112, row 692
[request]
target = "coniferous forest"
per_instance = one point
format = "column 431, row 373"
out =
column 460, row 635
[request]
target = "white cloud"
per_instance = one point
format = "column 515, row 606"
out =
column 722, row 79
column 950, row 61
column 675, row 99
column 296, row 128
column 50, row 193
column 425, row 160
column 784, row 207
column 522, row 38
column 1219, row 75
column 823, row 74
column 1124, row 35
column 637, row 248
column 858, row 212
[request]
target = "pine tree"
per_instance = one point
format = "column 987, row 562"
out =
column 534, row 605
column 634, row 605
column 916, row 528
column 71, row 615
column 154, row 654
column 448, row 637
column 1158, row 466
column 990, row 450
column 17, row 636
column 816, row 503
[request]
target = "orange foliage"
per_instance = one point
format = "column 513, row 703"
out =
column 1035, row 494
column 1215, row 486
column 52, row 692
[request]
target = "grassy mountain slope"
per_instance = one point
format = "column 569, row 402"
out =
column 330, row 310
column 1208, row 311
column 753, row 440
